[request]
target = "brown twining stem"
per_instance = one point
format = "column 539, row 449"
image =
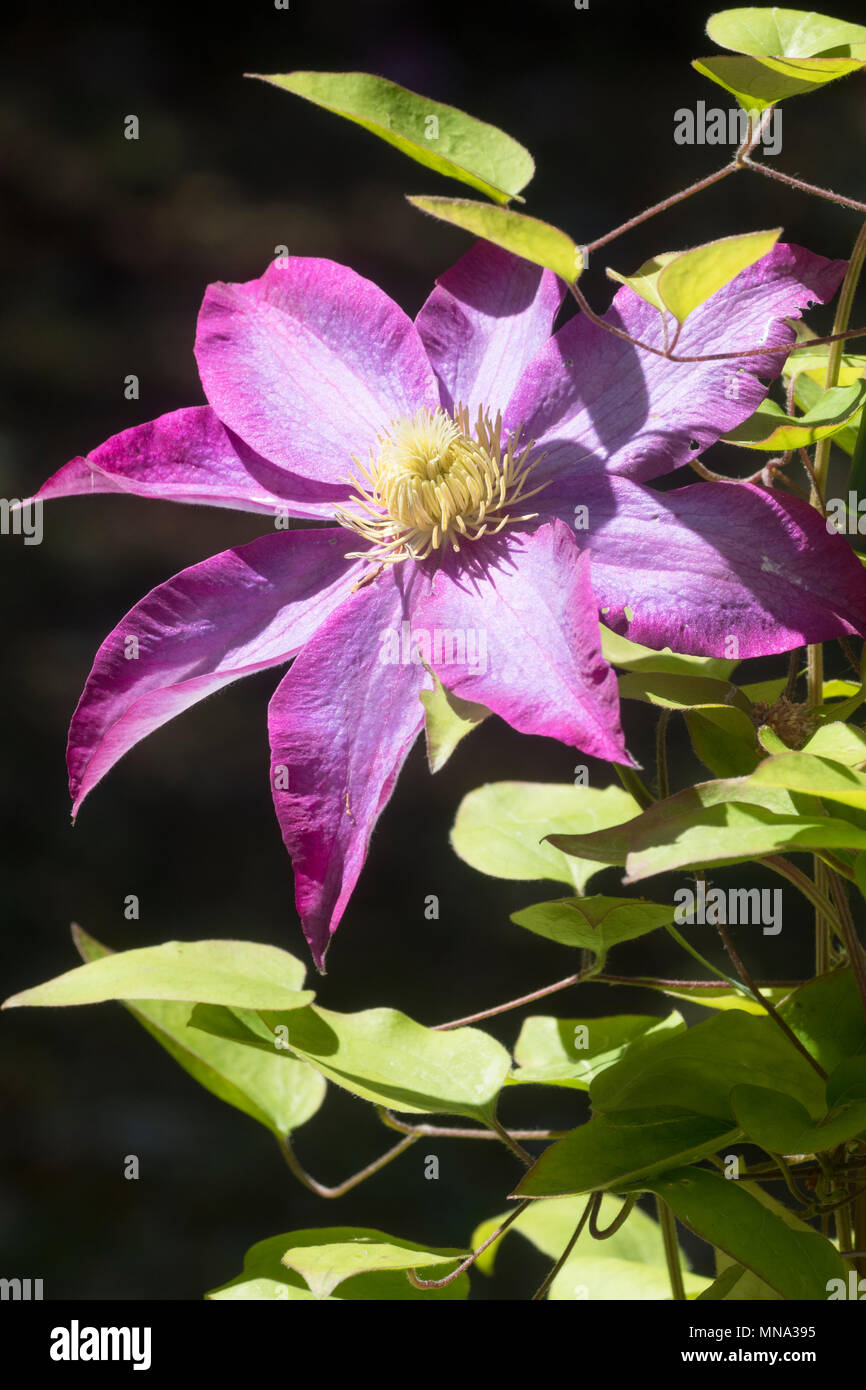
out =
column 850, row 655
column 848, row 933
column 320, row 1189
column 762, row 999
column 780, row 865
column 510, row 1142
column 635, row 786
column 801, row 184
column 669, row 356
column 741, row 160
column 650, row 981
column 514, row 1003
column 619, row 1220
column 791, row 1185
column 817, row 491
column 420, row 1283
column 662, row 754
column 450, row 1132
column 668, row 1225
column 793, row 673
column 738, row 161
column 592, row 1205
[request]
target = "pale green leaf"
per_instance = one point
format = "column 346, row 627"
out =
column 324, row 1267
column 724, row 738
column 690, row 278
column 447, row 719
column 718, row 822
column 594, row 924
column 524, row 236
column 675, row 691
column 500, row 828
column 265, row 1278
column 571, row 1051
column 761, row 82
column 645, row 280
column 777, row 32
column 772, row 431
column 280, row 1094
column 631, row 656
column 440, row 137
column 243, row 974
column 381, row 1055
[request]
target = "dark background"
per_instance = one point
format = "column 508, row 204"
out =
column 107, row 248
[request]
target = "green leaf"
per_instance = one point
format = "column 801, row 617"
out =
column 607, row 1153
column 500, row 828
column 645, row 280
column 677, row 691
column 279, row 1094
column 771, row 430
column 604, row 1278
column 834, row 710
column 728, row 1286
column 571, row 1051
column 528, row 237
column 857, row 475
column 761, row 82
column 827, row 1017
column 631, row 656
column 324, row 1267
column 265, row 1277
column 724, row 738
column 797, row 1264
column 829, row 780
column 440, row 137
column 630, row 1264
column 679, row 281
column 843, row 743
column 447, row 719
column 594, row 924
column 767, row 691
column 714, row 994
column 811, row 361
column 382, row 1056
column 776, row 32
column 719, row 822
column 697, row 1070
column 808, row 393
column 245, row 974
column 693, row 276
column 748, row 1285
column 847, row 1082
column 780, row 1124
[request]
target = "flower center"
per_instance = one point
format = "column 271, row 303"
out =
column 431, row 484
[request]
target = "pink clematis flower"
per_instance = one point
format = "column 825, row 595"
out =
column 455, row 454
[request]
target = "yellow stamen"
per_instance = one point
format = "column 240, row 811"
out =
column 432, row 484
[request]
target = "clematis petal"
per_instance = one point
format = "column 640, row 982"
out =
column 309, row 363
column 341, row 725
column 592, row 401
column 485, row 320
column 718, row 569
column 190, row 456
column 238, row 612
column 518, row 632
